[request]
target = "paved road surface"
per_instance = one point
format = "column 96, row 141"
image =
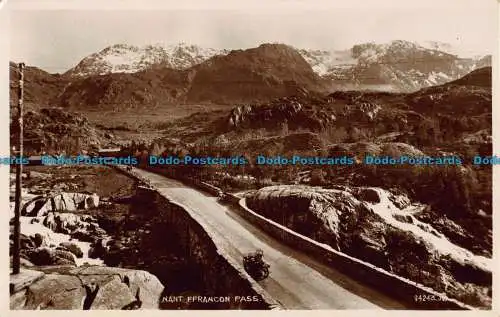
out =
column 296, row 280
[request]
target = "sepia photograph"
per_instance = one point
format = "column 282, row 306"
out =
column 270, row 157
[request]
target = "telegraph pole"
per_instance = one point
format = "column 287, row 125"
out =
column 19, row 170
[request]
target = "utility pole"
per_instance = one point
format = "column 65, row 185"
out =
column 19, row 170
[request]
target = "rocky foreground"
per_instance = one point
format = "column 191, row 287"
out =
column 384, row 229
column 68, row 232
column 90, row 287
column 90, row 234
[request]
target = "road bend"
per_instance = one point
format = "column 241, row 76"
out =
column 297, row 281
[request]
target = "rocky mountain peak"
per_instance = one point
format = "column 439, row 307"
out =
column 398, row 65
column 124, row 58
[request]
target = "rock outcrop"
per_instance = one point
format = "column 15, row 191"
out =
column 363, row 111
column 69, row 223
column 41, row 205
column 361, row 149
column 274, row 113
column 289, row 113
column 381, row 228
column 55, row 129
column 73, row 248
column 47, row 256
column 90, row 287
column 44, row 238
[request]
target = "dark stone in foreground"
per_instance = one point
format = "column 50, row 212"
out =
column 91, row 287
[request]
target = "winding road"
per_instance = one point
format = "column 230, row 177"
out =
column 297, row 281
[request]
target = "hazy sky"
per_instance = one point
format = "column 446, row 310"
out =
column 56, row 40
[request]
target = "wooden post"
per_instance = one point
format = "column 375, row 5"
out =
column 19, row 171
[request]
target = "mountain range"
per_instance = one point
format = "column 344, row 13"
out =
column 123, row 58
column 394, row 99
column 129, row 75
column 398, row 65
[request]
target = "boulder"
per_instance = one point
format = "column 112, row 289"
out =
column 98, row 233
column 50, row 221
column 400, row 201
column 90, row 287
column 92, row 201
column 42, row 256
column 106, row 296
column 97, row 250
column 64, row 201
column 73, row 248
column 69, row 223
column 55, row 291
column 83, row 235
column 23, row 261
column 38, row 240
column 404, row 218
column 368, row 194
column 26, row 242
column 149, row 285
column 40, row 206
column 66, row 255
column 47, row 256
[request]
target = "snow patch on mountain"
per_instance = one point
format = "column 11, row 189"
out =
column 400, row 65
column 435, row 78
column 122, row 58
column 454, row 49
column 397, row 66
column 441, row 46
column 323, row 61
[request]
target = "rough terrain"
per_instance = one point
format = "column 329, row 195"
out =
column 381, row 228
column 296, row 281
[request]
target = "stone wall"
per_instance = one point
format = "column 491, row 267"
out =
column 391, row 284
column 231, row 198
column 220, row 276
